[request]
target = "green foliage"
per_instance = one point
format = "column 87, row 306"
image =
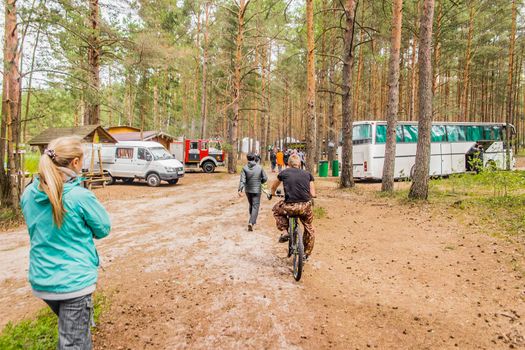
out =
column 41, row 332
column 31, row 162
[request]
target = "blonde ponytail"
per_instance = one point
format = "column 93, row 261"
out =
column 60, row 153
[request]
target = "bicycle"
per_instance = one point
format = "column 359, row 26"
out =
column 295, row 242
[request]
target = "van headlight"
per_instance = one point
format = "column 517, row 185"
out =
column 170, row 169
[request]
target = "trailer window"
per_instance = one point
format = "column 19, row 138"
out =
column 438, row 133
column 381, row 134
column 410, row 133
column 124, row 153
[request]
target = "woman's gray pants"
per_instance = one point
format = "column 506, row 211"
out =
column 75, row 318
column 255, row 201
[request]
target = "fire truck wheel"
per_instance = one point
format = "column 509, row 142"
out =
column 208, row 167
column 173, row 182
column 153, row 180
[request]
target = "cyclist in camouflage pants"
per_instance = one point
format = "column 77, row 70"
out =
column 299, row 190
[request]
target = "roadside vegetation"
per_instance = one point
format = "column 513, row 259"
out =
column 493, row 200
column 41, row 332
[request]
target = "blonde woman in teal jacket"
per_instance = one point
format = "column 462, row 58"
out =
column 63, row 219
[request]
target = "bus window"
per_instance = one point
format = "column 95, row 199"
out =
column 492, row 133
column 410, row 133
column 438, row 133
column 474, row 133
column 381, row 134
column 456, row 133
column 362, row 133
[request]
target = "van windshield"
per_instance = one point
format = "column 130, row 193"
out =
column 160, row 153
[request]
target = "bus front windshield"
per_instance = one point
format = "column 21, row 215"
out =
column 160, row 153
column 362, row 133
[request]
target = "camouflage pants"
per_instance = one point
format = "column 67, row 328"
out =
column 304, row 212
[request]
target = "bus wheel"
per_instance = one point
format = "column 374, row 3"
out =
column 153, row 180
column 208, row 167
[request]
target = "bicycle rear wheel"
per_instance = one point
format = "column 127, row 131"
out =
column 298, row 256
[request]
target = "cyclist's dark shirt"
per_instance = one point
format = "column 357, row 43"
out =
column 296, row 184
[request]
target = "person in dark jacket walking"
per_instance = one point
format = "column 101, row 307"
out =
column 252, row 177
column 273, row 160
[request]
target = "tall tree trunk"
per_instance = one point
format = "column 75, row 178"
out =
column 419, row 188
column 92, row 110
column 264, row 96
column 393, row 98
column 347, row 176
column 310, row 88
column 233, row 130
column 204, row 101
column 466, row 71
column 508, row 119
column 10, row 108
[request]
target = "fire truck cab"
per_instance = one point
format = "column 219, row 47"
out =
column 204, row 154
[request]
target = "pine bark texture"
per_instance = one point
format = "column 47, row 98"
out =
column 10, row 108
column 347, row 176
column 233, row 137
column 204, row 97
column 419, row 187
column 92, row 109
column 310, row 88
column 393, row 98
column 512, row 44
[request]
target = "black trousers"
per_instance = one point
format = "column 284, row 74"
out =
column 254, row 199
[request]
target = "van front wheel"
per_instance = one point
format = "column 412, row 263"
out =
column 153, row 180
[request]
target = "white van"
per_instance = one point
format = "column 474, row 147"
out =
column 130, row 160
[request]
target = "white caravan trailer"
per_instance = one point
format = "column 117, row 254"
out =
column 452, row 145
column 130, row 160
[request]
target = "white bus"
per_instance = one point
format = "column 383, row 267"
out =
column 452, row 147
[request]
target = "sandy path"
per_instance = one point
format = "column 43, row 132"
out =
column 182, row 273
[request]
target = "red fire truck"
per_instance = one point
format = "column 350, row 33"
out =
column 204, row 154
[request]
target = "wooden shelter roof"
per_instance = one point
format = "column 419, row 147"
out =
column 86, row 132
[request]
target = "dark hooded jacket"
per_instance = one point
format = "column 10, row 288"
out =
column 252, row 176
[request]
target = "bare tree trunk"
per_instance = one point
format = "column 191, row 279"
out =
column 264, row 101
column 204, row 101
column 233, row 130
column 92, row 110
column 310, row 87
column 419, row 188
column 11, row 107
column 466, row 71
column 510, row 100
column 393, row 98
column 347, row 176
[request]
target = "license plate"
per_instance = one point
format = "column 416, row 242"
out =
column 180, row 172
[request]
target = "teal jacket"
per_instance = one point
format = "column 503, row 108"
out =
column 65, row 259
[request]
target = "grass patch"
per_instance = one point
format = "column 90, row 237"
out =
column 319, row 212
column 493, row 200
column 41, row 332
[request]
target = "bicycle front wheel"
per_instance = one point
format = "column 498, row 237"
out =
column 298, row 253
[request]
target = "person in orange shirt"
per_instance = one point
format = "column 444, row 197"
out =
column 280, row 159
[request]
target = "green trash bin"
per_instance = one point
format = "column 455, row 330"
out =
column 323, row 168
column 335, row 168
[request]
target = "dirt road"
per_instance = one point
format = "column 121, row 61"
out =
column 182, row 272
